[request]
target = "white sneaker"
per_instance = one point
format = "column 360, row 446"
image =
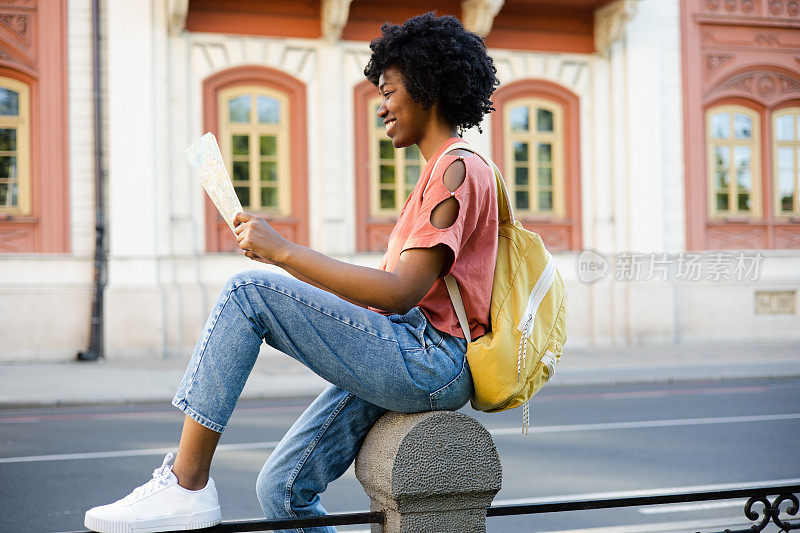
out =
column 158, row 505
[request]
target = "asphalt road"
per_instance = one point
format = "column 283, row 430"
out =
column 57, row 462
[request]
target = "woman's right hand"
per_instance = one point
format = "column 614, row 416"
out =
column 256, row 257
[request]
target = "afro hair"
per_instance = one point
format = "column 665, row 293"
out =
column 440, row 61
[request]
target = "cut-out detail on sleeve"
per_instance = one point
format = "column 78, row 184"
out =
column 446, row 212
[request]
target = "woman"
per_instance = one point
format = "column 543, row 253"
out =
column 386, row 338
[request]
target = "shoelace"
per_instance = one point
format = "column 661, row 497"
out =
column 161, row 477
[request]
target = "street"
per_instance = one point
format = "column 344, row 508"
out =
column 57, row 462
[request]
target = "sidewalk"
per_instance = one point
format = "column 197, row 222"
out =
column 278, row 376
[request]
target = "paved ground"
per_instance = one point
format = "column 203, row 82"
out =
column 278, row 376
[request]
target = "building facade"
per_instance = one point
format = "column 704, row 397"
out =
column 654, row 144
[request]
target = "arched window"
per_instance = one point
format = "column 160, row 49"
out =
column 14, row 147
column 534, row 133
column 786, row 160
column 254, row 140
column 536, row 144
column 734, row 166
column 392, row 172
column 259, row 117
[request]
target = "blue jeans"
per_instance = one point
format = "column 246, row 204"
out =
column 374, row 362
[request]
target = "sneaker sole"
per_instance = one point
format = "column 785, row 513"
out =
column 171, row 523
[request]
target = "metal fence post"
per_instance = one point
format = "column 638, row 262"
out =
column 431, row 472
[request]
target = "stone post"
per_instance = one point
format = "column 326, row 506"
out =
column 433, row 472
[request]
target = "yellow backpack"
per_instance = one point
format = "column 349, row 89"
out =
column 515, row 359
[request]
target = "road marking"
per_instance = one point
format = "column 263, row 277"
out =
column 648, row 492
column 663, row 527
column 267, row 445
column 646, row 424
column 494, row 432
column 689, row 507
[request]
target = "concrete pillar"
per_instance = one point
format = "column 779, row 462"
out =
column 433, row 472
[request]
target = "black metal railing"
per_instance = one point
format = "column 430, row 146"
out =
column 756, row 494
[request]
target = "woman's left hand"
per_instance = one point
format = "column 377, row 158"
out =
column 259, row 237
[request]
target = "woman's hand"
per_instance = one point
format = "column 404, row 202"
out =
column 259, row 240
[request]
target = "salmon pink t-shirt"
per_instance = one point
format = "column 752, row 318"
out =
column 472, row 239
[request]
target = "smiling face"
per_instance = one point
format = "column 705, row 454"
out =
column 405, row 119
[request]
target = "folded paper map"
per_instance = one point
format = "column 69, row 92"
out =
column 206, row 159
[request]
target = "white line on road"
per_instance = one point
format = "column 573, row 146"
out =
column 495, row 432
column 649, row 492
column 267, row 445
column 647, row 424
column 663, row 527
column 690, row 507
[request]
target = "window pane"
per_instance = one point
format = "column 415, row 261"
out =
column 8, row 167
column 520, row 151
column 387, row 174
column 787, row 203
column 241, row 171
column 8, row 195
column 269, row 145
column 722, row 157
column 269, row 110
column 741, row 162
column 241, row 145
column 786, row 189
column 244, row 195
column 545, row 177
column 386, row 150
column 744, row 202
column 721, row 164
column 412, row 174
column 785, row 159
column 387, row 198
column 722, row 202
column 545, row 152
column 544, row 120
column 269, row 171
column 722, row 179
column 720, row 126
column 743, row 126
column 546, row 200
column 521, row 176
column 412, row 152
column 521, row 199
column 519, row 118
column 8, row 140
column 784, row 128
column 269, row 197
column 239, row 108
column 9, row 102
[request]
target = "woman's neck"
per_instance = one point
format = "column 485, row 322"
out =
column 434, row 138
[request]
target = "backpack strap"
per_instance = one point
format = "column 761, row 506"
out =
column 458, row 304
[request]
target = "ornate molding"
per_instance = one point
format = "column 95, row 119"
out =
column 18, row 24
column 609, row 23
column 714, row 61
column 766, row 86
column 176, row 15
column 334, row 17
column 478, row 15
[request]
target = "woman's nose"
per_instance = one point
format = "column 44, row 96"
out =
column 382, row 109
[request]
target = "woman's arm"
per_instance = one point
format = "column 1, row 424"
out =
column 297, row 275
column 395, row 292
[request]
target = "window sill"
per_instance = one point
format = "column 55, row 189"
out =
column 20, row 219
